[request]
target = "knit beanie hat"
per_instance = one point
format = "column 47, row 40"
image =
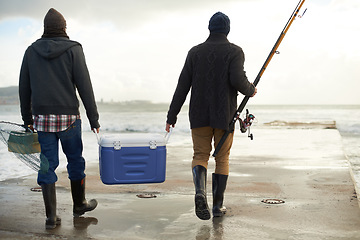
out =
column 54, row 20
column 219, row 23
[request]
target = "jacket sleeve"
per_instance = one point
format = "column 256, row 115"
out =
column 181, row 92
column 25, row 92
column 238, row 78
column 81, row 78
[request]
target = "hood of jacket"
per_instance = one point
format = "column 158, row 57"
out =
column 53, row 47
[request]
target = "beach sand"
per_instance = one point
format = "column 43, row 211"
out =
column 305, row 168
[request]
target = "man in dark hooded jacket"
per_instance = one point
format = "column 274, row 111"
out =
column 214, row 71
column 53, row 68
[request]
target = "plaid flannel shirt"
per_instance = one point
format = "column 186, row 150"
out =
column 54, row 123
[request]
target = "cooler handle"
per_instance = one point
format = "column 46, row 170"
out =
column 167, row 135
column 97, row 137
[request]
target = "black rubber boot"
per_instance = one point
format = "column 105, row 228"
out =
column 49, row 195
column 218, row 186
column 201, row 207
column 78, row 194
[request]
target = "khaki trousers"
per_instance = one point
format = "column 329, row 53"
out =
column 202, row 140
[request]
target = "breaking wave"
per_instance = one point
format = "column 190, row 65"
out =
column 296, row 124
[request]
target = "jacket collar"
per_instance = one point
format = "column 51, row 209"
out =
column 217, row 38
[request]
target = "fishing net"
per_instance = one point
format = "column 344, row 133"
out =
column 24, row 144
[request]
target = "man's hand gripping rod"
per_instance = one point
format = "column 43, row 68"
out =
column 257, row 79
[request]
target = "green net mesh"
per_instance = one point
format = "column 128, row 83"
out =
column 24, row 144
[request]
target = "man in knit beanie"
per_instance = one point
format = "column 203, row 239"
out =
column 214, row 71
column 219, row 23
column 54, row 24
column 52, row 72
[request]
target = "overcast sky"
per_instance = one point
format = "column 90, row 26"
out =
column 136, row 49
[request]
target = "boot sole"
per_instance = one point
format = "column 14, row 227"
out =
column 78, row 214
column 219, row 212
column 201, row 207
column 53, row 225
column 83, row 211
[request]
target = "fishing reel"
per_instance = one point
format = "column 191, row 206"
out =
column 246, row 123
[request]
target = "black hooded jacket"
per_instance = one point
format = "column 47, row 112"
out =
column 51, row 71
column 214, row 71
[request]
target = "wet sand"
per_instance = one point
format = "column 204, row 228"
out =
column 305, row 168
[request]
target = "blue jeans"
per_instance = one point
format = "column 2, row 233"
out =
column 72, row 147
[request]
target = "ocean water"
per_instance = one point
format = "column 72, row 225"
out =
column 142, row 116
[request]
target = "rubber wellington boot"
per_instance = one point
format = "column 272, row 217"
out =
column 49, row 195
column 201, row 207
column 218, row 186
column 78, row 194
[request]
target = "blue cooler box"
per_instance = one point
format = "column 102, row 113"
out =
column 132, row 158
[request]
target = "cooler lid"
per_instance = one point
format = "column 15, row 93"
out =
column 151, row 140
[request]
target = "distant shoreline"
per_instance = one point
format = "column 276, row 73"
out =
column 147, row 102
column 10, row 96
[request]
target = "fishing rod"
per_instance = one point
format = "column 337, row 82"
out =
column 257, row 79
